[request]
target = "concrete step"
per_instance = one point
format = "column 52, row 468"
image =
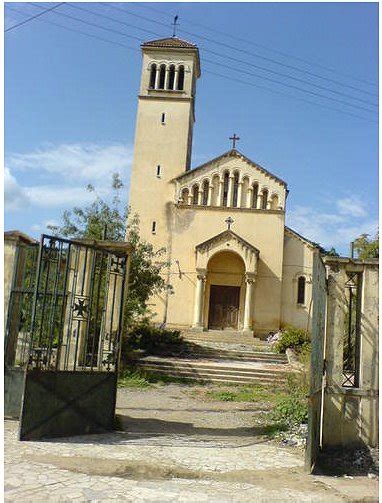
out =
column 207, row 370
column 211, row 376
column 222, row 354
column 223, row 336
column 231, row 367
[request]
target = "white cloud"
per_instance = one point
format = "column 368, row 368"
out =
column 330, row 229
column 63, row 172
column 351, row 206
column 58, row 196
column 43, row 226
column 15, row 197
column 75, row 162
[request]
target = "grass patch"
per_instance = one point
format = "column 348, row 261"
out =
column 254, row 393
column 140, row 379
column 133, row 379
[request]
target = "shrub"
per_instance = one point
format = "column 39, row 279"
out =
column 294, row 338
column 149, row 338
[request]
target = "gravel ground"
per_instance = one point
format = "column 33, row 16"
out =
column 175, row 445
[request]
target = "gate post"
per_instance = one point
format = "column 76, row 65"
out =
column 15, row 244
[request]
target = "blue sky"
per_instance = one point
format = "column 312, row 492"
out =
column 70, row 104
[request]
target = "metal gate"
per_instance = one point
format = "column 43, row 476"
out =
column 317, row 373
column 63, row 334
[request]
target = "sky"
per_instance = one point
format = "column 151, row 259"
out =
column 297, row 82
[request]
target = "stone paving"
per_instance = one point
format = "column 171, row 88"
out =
column 158, row 460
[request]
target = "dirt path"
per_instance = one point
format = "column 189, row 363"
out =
column 176, row 446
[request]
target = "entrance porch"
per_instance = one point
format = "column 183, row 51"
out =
column 226, row 271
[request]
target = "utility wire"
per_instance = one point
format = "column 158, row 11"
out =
column 94, row 25
column 75, row 30
column 226, row 56
column 245, row 72
column 33, row 17
column 291, row 86
column 289, row 96
column 251, row 42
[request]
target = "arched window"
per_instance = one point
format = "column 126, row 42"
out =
column 185, row 196
column 195, row 194
column 181, row 78
column 153, row 76
column 225, row 188
column 301, row 290
column 275, row 202
column 264, row 200
column 162, row 76
column 205, row 192
column 255, row 194
column 171, row 77
column 235, row 190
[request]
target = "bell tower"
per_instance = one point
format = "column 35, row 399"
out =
column 163, row 136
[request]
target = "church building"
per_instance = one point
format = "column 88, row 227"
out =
column 234, row 264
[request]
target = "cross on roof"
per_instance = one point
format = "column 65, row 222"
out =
column 174, row 24
column 234, row 139
column 229, row 221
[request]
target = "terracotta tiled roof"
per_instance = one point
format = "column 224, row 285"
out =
column 231, row 153
column 170, row 42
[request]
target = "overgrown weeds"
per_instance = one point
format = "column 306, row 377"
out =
column 140, row 379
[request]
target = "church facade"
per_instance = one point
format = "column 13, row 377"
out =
column 234, row 264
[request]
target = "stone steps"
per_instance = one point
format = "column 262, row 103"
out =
column 229, row 372
column 216, row 354
column 223, row 336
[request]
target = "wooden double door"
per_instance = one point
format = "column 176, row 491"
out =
column 224, row 307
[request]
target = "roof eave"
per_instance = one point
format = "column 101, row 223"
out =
column 229, row 153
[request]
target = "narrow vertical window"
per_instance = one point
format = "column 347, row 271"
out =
column 235, row 189
column 163, row 119
column 153, row 227
column 195, row 194
column 225, row 188
column 171, row 77
column 264, row 200
column 158, row 171
column 181, row 78
column 153, row 76
column 352, row 330
column 255, row 194
column 301, row 290
column 185, row 194
column 162, row 76
column 205, row 192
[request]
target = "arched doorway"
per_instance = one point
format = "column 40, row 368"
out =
column 225, row 292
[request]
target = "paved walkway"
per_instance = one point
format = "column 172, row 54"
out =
column 176, row 447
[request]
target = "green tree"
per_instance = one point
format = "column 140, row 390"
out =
column 114, row 220
column 367, row 247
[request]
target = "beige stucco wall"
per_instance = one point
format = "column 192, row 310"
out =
column 10, row 247
column 297, row 261
column 350, row 415
column 192, row 226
